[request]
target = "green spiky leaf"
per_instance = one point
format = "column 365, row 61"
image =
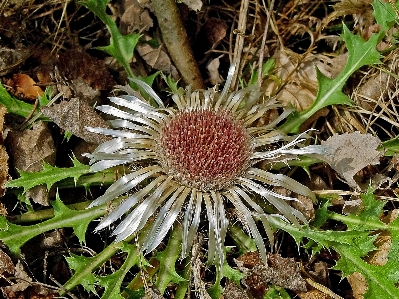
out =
column 355, row 243
column 360, row 53
column 167, row 258
column 17, row 107
column 385, row 14
column 83, row 265
column 121, row 47
column 14, row 236
column 49, row 175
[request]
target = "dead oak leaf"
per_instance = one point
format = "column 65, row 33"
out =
column 73, row 116
column 351, row 152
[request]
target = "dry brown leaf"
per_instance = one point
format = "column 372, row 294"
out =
column 313, row 294
column 299, row 76
column 73, row 116
column 9, row 58
column 80, row 89
column 6, row 264
column 76, row 63
column 358, row 284
column 213, row 71
column 233, row 291
column 351, row 152
column 28, row 150
column 22, row 281
column 195, row 5
column 155, row 57
column 25, row 87
column 134, row 16
column 283, row 272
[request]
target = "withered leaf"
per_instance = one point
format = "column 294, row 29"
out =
column 23, row 280
column 283, row 272
column 29, row 149
column 300, row 77
column 24, row 87
column 9, row 58
column 6, row 264
column 73, row 116
column 233, row 291
column 195, row 5
column 134, row 16
column 155, row 57
column 76, row 63
column 213, row 70
column 351, row 152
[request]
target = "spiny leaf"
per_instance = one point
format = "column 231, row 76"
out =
column 360, row 53
column 14, row 236
column 49, row 175
column 121, row 47
column 112, row 283
column 85, row 266
column 355, row 243
column 167, row 258
column 384, row 14
column 82, row 264
column 16, row 106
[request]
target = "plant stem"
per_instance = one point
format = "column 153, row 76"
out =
column 177, row 43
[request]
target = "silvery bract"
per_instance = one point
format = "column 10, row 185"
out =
column 201, row 151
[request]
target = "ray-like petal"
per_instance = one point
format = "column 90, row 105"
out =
column 158, row 117
column 280, row 180
column 148, row 90
column 226, row 87
column 275, row 199
column 165, row 219
column 123, row 123
column 212, row 228
column 117, row 133
column 125, row 183
column 221, row 226
column 259, row 111
column 247, row 218
column 136, row 220
column 133, row 104
column 260, row 213
column 128, row 204
column 191, row 221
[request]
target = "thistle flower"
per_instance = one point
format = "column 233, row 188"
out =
column 203, row 151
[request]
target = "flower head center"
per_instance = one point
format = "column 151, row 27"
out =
column 204, row 149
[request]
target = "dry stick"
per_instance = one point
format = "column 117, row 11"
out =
column 176, row 42
column 242, row 24
column 262, row 47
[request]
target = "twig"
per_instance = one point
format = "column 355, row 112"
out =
column 242, row 23
column 262, row 47
column 176, row 41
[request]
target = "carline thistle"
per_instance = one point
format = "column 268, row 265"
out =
column 201, row 152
